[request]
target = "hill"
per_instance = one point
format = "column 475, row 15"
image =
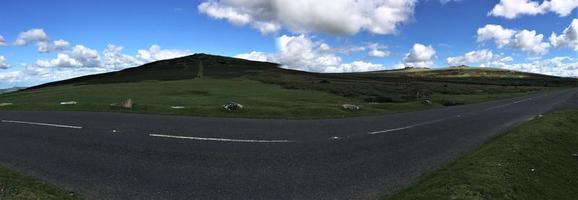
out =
column 200, row 84
column 8, row 90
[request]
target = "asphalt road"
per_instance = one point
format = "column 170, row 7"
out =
column 128, row 156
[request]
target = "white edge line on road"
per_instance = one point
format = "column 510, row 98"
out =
column 408, row 127
column 443, row 119
column 220, row 139
column 41, row 124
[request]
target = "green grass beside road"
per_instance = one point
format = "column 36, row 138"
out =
column 15, row 186
column 536, row 160
column 205, row 97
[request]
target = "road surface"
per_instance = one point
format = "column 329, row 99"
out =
column 131, row 156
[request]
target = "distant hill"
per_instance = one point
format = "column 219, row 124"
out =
column 8, row 90
column 200, row 84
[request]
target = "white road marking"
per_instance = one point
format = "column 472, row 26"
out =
column 443, row 119
column 220, row 139
column 411, row 126
column 41, row 124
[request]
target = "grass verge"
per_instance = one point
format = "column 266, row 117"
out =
column 205, row 97
column 536, row 160
column 16, row 186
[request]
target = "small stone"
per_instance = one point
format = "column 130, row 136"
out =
column 335, row 138
column 68, row 103
column 532, row 170
column 233, row 106
column 350, row 107
column 575, row 155
column 427, row 102
column 5, row 104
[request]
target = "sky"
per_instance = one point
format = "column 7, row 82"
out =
column 43, row 41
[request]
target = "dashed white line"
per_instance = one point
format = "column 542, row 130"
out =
column 220, row 139
column 41, row 124
column 443, row 119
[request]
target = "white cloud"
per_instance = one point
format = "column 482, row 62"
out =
column 301, row 53
column 31, row 36
column 377, row 51
column 527, row 41
column 530, row 42
column 568, row 38
column 499, row 34
column 60, row 45
column 155, row 53
column 3, row 64
column 339, row 17
column 2, row 41
column 356, row 66
column 254, row 56
column 112, row 58
column 42, row 41
column 80, row 61
column 511, row 9
column 472, row 57
column 11, row 77
column 80, row 56
column 557, row 66
column 420, row 56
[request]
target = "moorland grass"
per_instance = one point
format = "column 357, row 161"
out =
column 16, row 186
column 536, row 160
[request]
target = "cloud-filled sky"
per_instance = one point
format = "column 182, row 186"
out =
column 43, row 41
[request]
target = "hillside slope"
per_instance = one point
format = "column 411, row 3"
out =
column 202, row 83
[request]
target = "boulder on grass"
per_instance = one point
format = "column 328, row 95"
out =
column 6, row 104
column 427, row 102
column 350, row 107
column 129, row 103
column 233, row 106
column 68, row 103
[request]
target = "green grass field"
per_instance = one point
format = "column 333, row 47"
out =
column 15, row 186
column 203, row 83
column 205, row 97
column 536, row 160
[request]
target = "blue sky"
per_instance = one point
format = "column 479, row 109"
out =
column 320, row 36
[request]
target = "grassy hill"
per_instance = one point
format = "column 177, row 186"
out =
column 203, row 83
column 8, row 90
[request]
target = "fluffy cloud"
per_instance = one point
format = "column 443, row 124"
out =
column 339, row 17
column 3, row 64
column 356, row 66
column 2, row 41
column 42, row 41
column 420, row 56
column 60, row 45
column 112, row 58
column 301, row 53
column 31, row 36
column 530, row 42
column 499, row 34
column 155, row 53
column 568, row 38
column 472, row 57
column 557, row 66
column 80, row 56
column 81, row 60
column 377, row 51
column 527, row 41
column 511, row 9
column 255, row 56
